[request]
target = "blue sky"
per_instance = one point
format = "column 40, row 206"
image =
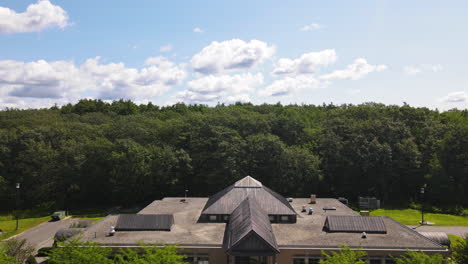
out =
column 388, row 51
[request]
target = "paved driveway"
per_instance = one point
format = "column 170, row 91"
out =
column 451, row 230
column 42, row 235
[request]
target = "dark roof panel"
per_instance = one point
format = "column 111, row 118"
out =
column 225, row 201
column 355, row 224
column 147, row 222
column 249, row 231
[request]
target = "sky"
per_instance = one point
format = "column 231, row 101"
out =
column 54, row 52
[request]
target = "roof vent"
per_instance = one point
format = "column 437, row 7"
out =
column 290, row 199
column 313, row 198
column 364, row 235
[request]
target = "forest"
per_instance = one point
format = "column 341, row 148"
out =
column 95, row 153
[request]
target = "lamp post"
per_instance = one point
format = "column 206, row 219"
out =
column 422, row 205
column 17, row 204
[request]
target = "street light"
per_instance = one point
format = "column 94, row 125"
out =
column 422, row 205
column 17, row 204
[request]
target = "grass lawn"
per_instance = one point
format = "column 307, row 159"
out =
column 412, row 217
column 8, row 225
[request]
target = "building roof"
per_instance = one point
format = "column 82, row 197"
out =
column 225, row 201
column 247, row 182
column 140, row 222
column 439, row 237
column 249, row 231
column 355, row 224
column 307, row 232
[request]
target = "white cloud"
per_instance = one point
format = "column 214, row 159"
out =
column 232, row 54
column 198, row 30
column 414, row 70
column 114, row 80
column 311, row 27
column 166, row 48
column 307, row 63
column 355, row 71
column 456, row 97
column 290, row 85
column 228, row 88
column 37, row 17
column 63, row 81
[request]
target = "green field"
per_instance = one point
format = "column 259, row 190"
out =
column 8, row 225
column 413, row 217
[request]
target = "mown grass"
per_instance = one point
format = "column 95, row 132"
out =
column 8, row 225
column 413, row 217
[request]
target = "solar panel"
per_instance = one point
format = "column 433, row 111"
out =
column 146, row 222
column 355, row 224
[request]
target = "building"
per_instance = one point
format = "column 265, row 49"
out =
column 249, row 223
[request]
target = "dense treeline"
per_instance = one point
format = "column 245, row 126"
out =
column 96, row 153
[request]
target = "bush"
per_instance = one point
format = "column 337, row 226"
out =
column 460, row 251
column 345, row 256
column 413, row 257
column 31, row 260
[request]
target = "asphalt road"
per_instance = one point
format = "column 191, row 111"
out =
column 43, row 234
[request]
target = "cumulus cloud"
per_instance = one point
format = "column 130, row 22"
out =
column 456, row 97
column 229, row 88
column 166, row 48
column 289, row 85
column 355, row 71
column 37, row 17
column 311, row 27
column 307, row 63
column 302, row 73
column 64, row 81
column 114, row 80
column 198, row 30
column 229, row 55
column 414, row 70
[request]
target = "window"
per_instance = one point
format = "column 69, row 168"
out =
column 306, row 260
column 226, row 218
column 389, row 260
column 299, row 261
column 197, row 259
column 284, row 218
column 375, row 261
column 314, row 260
column 272, row 218
column 212, row 218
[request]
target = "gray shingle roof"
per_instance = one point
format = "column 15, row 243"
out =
column 138, row 222
column 225, row 201
column 355, row 224
column 439, row 237
column 249, row 231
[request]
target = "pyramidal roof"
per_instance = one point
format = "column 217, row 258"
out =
column 249, row 229
column 248, row 182
column 225, row 201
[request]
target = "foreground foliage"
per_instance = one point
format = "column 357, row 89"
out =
column 15, row 251
column 78, row 252
column 460, row 250
column 97, row 153
column 414, row 257
column 345, row 256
